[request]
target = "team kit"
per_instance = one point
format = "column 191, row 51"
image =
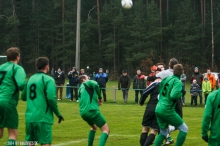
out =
column 39, row 92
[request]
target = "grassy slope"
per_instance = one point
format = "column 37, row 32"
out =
column 124, row 121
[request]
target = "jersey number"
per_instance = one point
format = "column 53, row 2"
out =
column 33, row 93
column 2, row 75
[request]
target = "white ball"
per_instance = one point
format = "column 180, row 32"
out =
column 126, row 4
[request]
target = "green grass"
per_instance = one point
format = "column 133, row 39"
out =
column 123, row 119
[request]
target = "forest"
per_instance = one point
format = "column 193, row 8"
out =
column 111, row 37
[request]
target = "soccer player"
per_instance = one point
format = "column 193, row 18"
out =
column 211, row 119
column 12, row 79
column 89, row 101
column 149, row 119
column 40, row 94
column 170, row 91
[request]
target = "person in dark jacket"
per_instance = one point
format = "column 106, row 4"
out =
column 102, row 78
column 73, row 76
column 199, row 78
column 139, row 84
column 194, row 91
column 124, row 84
column 59, row 79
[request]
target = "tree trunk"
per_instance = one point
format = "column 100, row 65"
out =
column 33, row 5
column 212, row 34
column 167, row 10
column 98, row 12
column 202, row 10
column 114, row 53
column 63, row 43
column 161, row 25
column 202, row 21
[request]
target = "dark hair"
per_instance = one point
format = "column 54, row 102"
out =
column 178, row 69
column 173, row 62
column 160, row 63
column 81, row 77
column 42, row 62
column 124, row 71
column 12, row 53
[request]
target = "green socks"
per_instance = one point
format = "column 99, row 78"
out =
column 91, row 137
column 11, row 142
column 103, row 139
column 180, row 138
column 159, row 140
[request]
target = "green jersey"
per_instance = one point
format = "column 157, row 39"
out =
column 170, row 90
column 89, row 92
column 211, row 118
column 40, row 94
column 12, row 79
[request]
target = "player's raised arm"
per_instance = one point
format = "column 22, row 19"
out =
column 147, row 91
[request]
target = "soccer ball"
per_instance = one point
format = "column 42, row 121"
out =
column 126, row 4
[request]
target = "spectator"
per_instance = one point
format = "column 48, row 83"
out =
column 138, row 84
column 194, row 91
column 183, row 80
column 59, row 79
column 211, row 78
column 211, row 119
column 73, row 81
column 52, row 73
column 199, row 78
column 124, row 84
column 206, row 87
column 102, row 78
column 93, row 76
column 82, row 72
column 153, row 73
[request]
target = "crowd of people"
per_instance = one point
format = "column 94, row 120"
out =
column 163, row 112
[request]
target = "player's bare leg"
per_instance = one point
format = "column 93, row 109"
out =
column 12, row 136
column 144, row 135
column 104, row 136
column 1, row 132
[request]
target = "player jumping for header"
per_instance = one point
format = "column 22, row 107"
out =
column 90, row 99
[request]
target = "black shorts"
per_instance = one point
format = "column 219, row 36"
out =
column 149, row 118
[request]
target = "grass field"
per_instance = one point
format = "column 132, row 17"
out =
column 123, row 119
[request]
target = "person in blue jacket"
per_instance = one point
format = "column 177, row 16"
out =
column 102, row 78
